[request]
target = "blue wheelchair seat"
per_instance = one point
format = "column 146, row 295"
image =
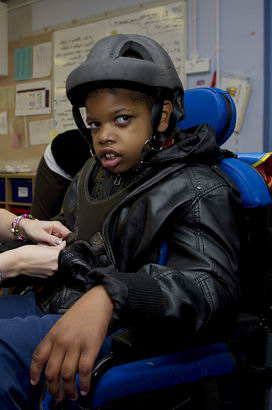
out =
column 216, row 108
column 184, row 367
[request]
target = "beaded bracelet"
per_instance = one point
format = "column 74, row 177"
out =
column 15, row 226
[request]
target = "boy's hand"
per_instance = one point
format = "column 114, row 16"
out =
column 72, row 345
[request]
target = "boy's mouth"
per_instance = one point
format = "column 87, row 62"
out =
column 109, row 158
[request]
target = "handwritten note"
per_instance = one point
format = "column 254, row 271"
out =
column 154, row 21
column 71, row 47
column 63, row 111
column 165, row 24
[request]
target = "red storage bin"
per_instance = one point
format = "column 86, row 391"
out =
column 18, row 210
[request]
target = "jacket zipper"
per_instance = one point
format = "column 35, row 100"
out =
column 117, row 180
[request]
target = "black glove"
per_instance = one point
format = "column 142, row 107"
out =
column 78, row 259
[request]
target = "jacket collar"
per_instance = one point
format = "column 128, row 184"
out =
column 194, row 144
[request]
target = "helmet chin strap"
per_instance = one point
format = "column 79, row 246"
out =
column 84, row 131
column 153, row 143
column 156, row 115
column 156, row 140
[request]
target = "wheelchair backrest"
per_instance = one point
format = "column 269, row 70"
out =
column 216, row 108
column 211, row 106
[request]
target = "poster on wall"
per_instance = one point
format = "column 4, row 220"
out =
column 33, row 98
column 39, row 131
column 3, row 123
column 42, row 60
column 23, row 63
column 240, row 89
column 166, row 24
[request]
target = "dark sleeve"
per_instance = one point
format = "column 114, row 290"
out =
column 70, row 204
column 70, row 151
column 49, row 192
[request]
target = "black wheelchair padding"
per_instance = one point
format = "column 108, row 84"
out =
column 256, row 276
column 229, row 113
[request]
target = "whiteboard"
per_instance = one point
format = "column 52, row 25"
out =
column 165, row 24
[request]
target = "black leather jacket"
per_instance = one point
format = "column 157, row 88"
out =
column 179, row 196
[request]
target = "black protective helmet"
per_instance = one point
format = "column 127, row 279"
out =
column 129, row 61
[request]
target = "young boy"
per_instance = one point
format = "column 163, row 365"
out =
column 146, row 183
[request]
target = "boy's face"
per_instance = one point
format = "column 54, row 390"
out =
column 120, row 127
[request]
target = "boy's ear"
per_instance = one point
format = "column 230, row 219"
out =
column 166, row 113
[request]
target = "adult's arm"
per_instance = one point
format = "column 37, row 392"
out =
column 38, row 261
column 49, row 232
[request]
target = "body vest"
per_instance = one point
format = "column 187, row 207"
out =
column 92, row 212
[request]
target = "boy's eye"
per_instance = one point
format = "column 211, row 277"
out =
column 94, row 124
column 122, row 119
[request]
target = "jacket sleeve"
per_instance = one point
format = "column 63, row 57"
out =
column 199, row 287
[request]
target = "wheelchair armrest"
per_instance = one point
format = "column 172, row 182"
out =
column 153, row 373
column 251, row 185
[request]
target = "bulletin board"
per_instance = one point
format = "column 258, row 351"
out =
column 15, row 143
column 166, row 24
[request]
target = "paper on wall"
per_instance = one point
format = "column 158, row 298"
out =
column 71, row 47
column 3, row 123
column 166, row 24
column 33, row 98
column 42, row 60
column 239, row 88
column 7, row 97
column 39, row 131
column 23, row 63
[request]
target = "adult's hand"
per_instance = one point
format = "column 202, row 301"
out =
column 30, row 260
column 72, row 345
column 45, row 232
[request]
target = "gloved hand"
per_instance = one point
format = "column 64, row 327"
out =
column 78, row 259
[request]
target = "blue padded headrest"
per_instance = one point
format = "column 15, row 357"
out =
column 211, row 106
column 253, row 188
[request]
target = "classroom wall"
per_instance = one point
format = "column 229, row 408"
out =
column 241, row 29
column 241, row 36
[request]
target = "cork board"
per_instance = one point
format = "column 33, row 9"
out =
column 13, row 148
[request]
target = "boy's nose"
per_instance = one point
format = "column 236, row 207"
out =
column 106, row 135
